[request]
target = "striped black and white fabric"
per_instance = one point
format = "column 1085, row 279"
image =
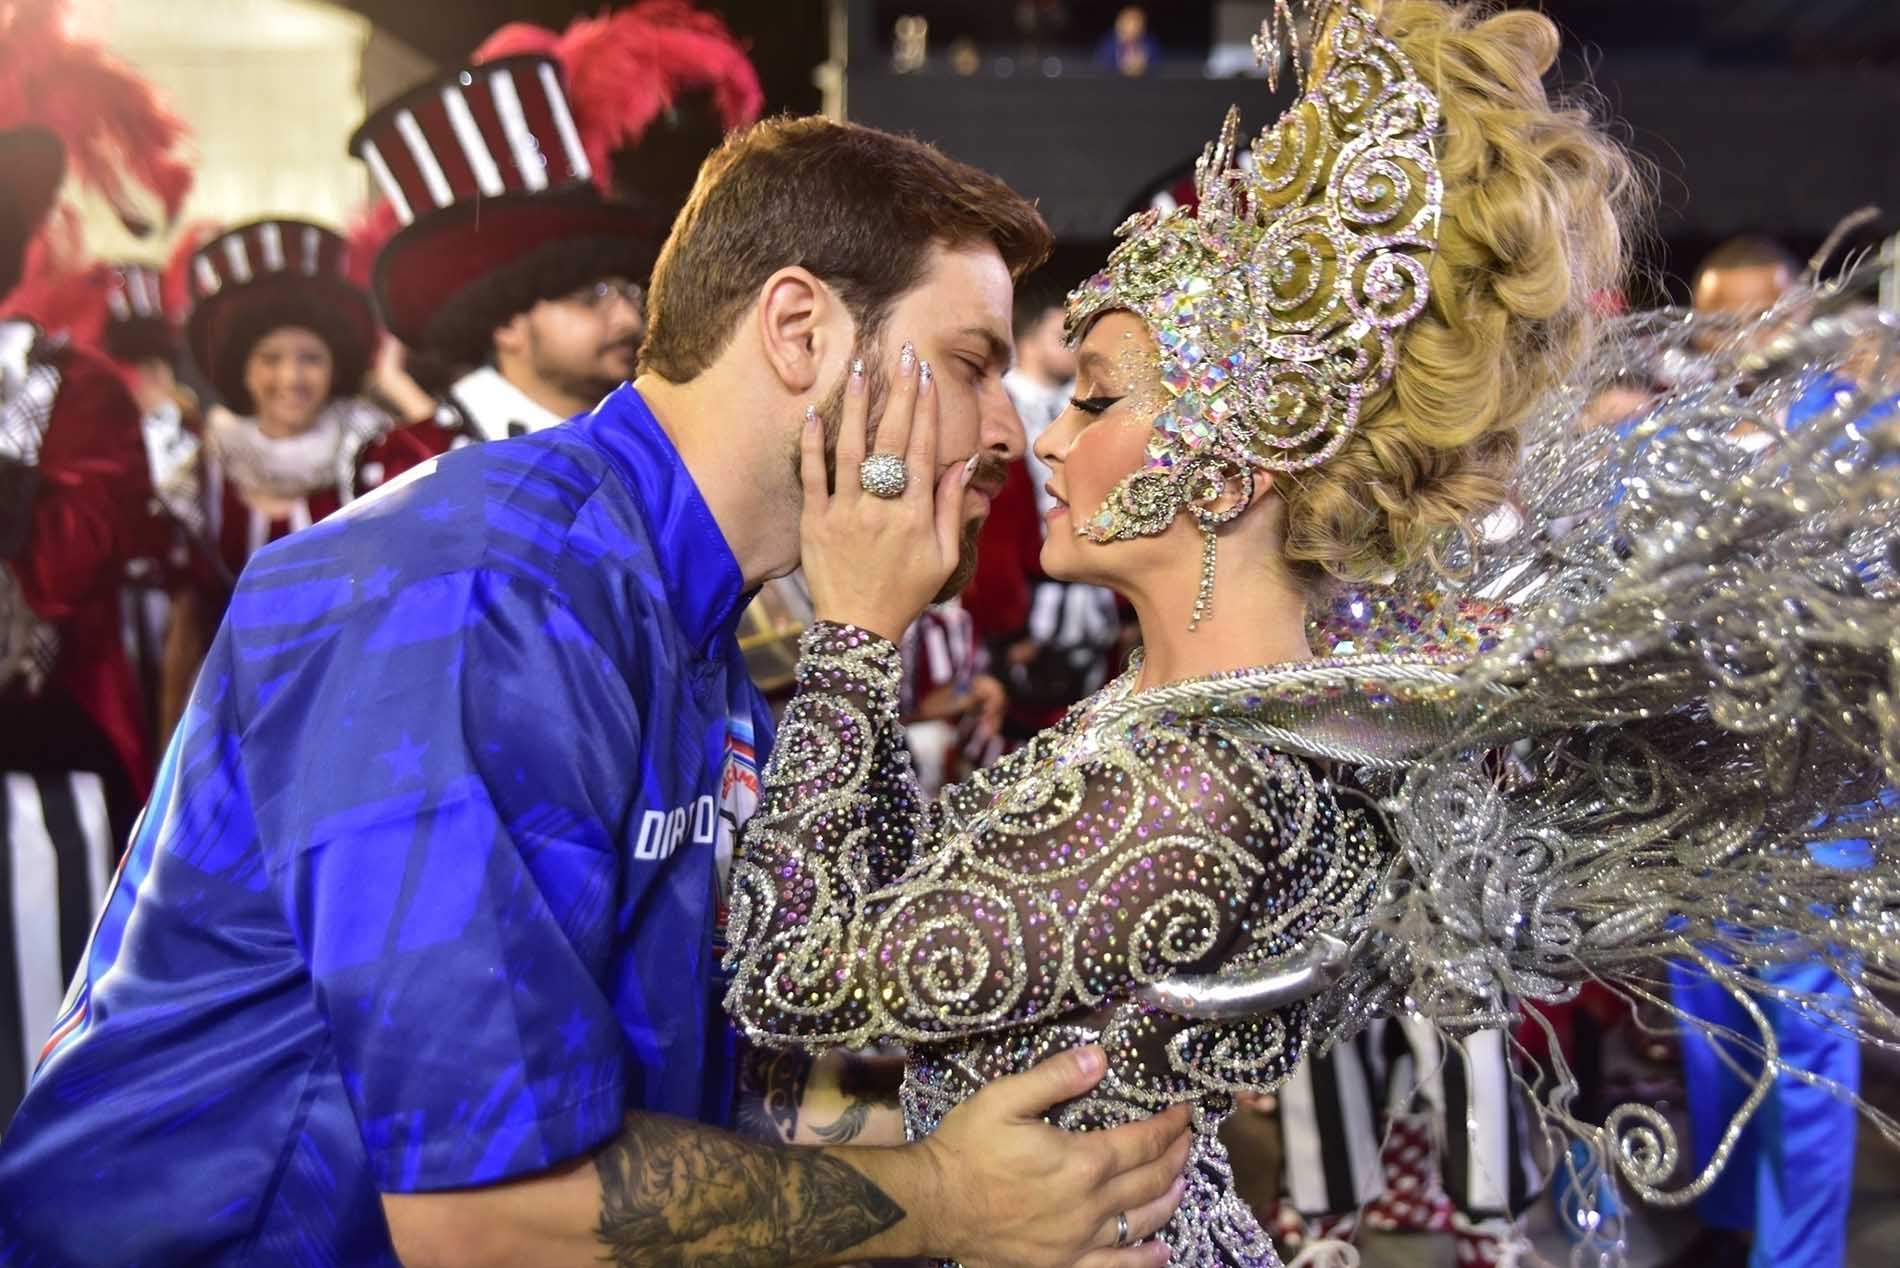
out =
column 500, row 128
column 57, row 854
column 1333, row 1108
column 134, row 292
column 1329, row 1131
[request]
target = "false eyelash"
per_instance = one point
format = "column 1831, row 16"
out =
column 1094, row 406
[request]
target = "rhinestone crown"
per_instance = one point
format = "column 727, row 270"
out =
column 1278, row 300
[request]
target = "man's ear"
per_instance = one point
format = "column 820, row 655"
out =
column 795, row 310
column 511, row 337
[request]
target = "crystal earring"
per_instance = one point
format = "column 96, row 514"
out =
column 1206, row 482
column 1142, row 505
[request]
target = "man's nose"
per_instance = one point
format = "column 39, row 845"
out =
column 1002, row 428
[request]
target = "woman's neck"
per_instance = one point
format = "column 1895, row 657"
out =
column 278, row 429
column 1256, row 617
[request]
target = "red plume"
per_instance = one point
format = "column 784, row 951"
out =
column 625, row 69
column 366, row 233
column 114, row 126
column 64, row 292
column 60, row 291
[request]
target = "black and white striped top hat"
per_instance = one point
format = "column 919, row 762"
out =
column 263, row 276
column 137, row 324
column 483, row 166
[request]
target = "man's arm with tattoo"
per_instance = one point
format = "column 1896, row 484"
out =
column 994, row 1186
column 725, row 1202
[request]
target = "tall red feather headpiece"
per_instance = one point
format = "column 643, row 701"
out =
column 624, row 70
column 117, row 132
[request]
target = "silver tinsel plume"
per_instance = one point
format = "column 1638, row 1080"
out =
column 1609, row 728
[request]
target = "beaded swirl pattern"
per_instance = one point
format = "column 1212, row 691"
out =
column 1277, row 302
column 1016, row 916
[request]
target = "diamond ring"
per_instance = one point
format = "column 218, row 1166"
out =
column 883, row 475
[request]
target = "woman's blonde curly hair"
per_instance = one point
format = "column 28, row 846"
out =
column 1538, row 205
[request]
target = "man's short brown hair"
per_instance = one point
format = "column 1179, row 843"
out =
column 858, row 207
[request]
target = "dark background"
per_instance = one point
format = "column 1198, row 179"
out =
column 1769, row 116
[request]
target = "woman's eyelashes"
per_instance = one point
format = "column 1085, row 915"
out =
column 1094, row 406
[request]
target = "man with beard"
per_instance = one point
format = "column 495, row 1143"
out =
column 509, row 260
column 412, row 957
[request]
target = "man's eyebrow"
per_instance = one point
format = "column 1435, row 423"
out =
column 999, row 351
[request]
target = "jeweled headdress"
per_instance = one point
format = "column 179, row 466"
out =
column 1277, row 302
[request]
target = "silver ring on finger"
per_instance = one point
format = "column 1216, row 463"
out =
column 1121, row 1229
column 884, row 475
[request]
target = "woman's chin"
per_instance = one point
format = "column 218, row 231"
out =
column 1058, row 559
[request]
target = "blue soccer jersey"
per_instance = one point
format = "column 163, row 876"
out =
column 426, row 893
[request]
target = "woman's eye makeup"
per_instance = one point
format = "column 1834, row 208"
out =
column 1094, row 406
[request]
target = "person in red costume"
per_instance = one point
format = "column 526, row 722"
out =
column 76, row 508
column 284, row 338
column 76, row 511
column 526, row 218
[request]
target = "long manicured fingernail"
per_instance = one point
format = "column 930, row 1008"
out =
column 857, row 375
column 969, row 469
column 811, row 416
column 924, row 376
column 906, row 357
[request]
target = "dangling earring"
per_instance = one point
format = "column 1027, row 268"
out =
column 1206, row 482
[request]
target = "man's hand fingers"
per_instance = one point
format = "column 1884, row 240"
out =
column 1049, row 1082
column 1134, row 1145
column 1145, row 1186
column 1149, row 1218
column 1144, row 1221
column 1144, row 1255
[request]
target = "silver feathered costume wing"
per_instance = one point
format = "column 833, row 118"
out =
column 1653, row 682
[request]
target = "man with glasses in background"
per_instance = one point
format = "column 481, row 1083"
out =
column 535, row 293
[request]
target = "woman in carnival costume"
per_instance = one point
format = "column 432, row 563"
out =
column 1361, row 360
column 284, row 338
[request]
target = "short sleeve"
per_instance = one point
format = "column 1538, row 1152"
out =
column 443, row 832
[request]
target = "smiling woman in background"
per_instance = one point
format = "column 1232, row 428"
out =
column 284, row 338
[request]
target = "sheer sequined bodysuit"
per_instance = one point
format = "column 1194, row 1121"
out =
column 1010, row 919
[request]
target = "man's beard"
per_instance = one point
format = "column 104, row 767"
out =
column 966, row 562
column 988, row 476
column 595, row 381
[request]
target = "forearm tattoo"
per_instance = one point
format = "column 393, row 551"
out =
column 678, row 1195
